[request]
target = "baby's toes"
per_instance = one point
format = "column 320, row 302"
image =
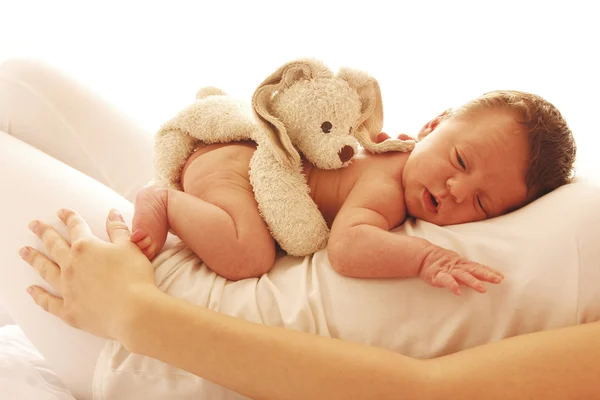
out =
column 150, row 252
column 145, row 244
column 138, row 236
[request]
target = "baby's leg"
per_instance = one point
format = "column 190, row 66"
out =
column 150, row 221
column 225, row 229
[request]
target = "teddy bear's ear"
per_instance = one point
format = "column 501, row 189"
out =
column 370, row 122
column 273, row 129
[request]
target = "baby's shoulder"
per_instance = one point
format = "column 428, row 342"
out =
column 387, row 166
column 379, row 185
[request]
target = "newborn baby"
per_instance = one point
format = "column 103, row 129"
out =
column 491, row 156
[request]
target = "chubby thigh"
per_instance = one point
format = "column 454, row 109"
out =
column 218, row 174
column 218, row 171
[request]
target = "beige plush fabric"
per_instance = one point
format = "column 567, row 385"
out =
column 302, row 109
column 213, row 118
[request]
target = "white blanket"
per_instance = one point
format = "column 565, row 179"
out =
column 24, row 374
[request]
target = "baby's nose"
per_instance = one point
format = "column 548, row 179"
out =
column 346, row 153
column 458, row 189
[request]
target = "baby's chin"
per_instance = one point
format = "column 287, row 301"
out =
column 440, row 221
column 416, row 212
column 429, row 218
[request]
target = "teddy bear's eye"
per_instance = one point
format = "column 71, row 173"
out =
column 326, row 127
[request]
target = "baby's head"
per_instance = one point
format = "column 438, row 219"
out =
column 488, row 157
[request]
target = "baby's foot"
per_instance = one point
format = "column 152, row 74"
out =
column 150, row 223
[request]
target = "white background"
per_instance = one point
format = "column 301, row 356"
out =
column 150, row 58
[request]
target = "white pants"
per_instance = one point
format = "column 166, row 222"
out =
column 65, row 147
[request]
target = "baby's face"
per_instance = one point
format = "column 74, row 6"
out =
column 469, row 168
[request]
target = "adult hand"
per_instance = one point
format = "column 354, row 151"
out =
column 98, row 281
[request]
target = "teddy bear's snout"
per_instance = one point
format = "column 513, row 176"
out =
column 346, row 153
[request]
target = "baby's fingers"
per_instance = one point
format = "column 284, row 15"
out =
column 444, row 279
column 485, row 273
column 465, row 277
column 404, row 136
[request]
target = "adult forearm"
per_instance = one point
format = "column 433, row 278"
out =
column 554, row 365
column 369, row 252
column 265, row 362
column 272, row 363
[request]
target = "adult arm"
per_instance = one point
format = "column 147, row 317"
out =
column 273, row 363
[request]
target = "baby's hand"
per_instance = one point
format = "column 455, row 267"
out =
column 445, row 268
column 382, row 137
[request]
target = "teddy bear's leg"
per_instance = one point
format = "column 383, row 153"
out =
column 171, row 151
column 214, row 119
column 286, row 206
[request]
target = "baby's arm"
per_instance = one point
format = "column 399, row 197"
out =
column 362, row 246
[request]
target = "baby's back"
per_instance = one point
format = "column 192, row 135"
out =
column 216, row 166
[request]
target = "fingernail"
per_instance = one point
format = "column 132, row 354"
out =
column 24, row 252
column 115, row 215
column 60, row 212
column 30, row 289
column 33, row 225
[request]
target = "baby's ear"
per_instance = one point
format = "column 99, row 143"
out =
column 431, row 125
column 369, row 94
column 273, row 128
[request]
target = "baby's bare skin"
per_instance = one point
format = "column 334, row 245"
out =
column 218, row 176
column 217, row 216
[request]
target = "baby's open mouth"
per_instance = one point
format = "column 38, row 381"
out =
column 430, row 202
column 434, row 200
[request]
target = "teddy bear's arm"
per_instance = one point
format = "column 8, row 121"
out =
column 284, row 202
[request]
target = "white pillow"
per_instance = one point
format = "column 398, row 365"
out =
column 549, row 252
column 5, row 319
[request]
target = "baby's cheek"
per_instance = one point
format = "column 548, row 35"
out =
column 411, row 205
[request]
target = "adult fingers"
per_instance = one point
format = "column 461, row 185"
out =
column 47, row 269
column 50, row 303
column 55, row 244
column 117, row 229
column 78, row 228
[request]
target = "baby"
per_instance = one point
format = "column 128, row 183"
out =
column 484, row 159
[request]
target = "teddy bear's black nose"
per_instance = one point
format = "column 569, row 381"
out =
column 346, row 153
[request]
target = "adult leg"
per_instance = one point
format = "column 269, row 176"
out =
column 34, row 186
column 49, row 110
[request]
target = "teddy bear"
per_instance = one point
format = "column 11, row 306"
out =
column 301, row 110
